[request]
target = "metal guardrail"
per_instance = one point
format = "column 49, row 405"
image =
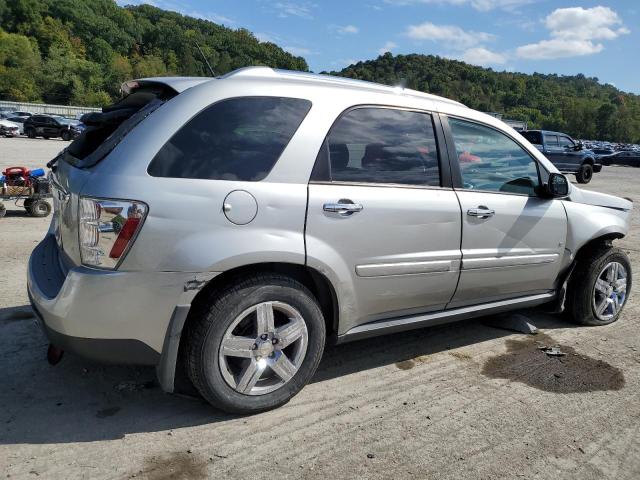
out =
column 65, row 110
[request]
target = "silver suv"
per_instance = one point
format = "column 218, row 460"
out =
column 224, row 229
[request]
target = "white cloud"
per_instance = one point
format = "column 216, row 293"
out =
column 347, row 29
column 465, row 45
column 212, row 17
column 558, row 48
column 265, row 37
column 573, row 33
column 298, row 51
column 344, row 62
column 294, row 9
column 481, row 5
column 585, row 23
column 483, row 56
column 387, row 47
column 450, row 34
column 180, row 7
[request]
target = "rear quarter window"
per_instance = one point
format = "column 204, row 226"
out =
column 534, row 137
column 235, row 139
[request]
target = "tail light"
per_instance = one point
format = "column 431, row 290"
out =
column 107, row 229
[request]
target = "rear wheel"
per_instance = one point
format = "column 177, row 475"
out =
column 585, row 174
column 38, row 208
column 600, row 287
column 255, row 344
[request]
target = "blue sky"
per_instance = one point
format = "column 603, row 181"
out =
column 597, row 38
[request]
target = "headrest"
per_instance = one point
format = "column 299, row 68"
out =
column 339, row 155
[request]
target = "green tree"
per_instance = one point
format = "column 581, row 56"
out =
column 19, row 59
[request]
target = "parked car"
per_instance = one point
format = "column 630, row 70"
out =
column 21, row 114
column 566, row 154
column 229, row 228
column 9, row 129
column 19, row 121
column 602, row 151
column 49, row 126
column 623, row 157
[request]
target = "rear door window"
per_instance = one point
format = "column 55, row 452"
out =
column 551, row 140
column 235, row 139
column 380, row 145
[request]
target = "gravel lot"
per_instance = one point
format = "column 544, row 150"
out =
column 465, row 401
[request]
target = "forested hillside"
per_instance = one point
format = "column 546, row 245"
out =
column 577, row 105
column 80, row 51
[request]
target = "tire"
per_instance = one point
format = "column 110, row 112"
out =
column 39, row 208
column 66, row 136
column 585, row 173
column 218, row 377
column 46, row 137
column 3, row 210
column 585, row 297
column 31, row 133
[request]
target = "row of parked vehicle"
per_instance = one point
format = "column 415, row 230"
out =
column 13, row 124
column 615, row 153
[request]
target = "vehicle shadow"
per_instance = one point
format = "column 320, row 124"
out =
column 16, row 211
column 81, row 401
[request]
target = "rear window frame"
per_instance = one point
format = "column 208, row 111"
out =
column 212, row 105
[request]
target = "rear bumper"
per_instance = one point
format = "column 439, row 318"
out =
column 114, row 317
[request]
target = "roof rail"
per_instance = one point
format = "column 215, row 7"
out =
column 267, row 72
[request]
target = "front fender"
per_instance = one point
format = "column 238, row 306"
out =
column 589, row 222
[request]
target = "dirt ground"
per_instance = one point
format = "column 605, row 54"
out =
column 465, row 401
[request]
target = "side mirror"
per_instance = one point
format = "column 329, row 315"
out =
column 579, row 146
column 557, row 186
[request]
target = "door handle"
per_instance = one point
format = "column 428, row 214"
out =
column 342, row 207
column 481, row 212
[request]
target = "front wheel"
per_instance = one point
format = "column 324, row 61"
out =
column 66, row 136
column 38, row 208
column 600, row 287
column 585, row 173
column 254, row 345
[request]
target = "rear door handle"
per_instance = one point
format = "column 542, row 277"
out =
column 343, row 207
column 481, row 212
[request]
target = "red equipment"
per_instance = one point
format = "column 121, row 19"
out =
column 17, row 177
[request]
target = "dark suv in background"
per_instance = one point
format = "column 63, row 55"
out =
column 568, row 155
column 50, row 126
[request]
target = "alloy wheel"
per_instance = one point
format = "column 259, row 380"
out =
column 263, row 348
column 610, row 291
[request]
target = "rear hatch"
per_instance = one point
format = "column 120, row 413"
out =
column 104, row 131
